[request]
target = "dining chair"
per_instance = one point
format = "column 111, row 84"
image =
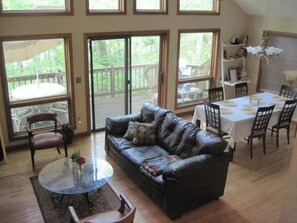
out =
column 241, row 89
column 259, row 127
column 44, row 139
column 216, row 94
column 284, row 120
column 115, row 216
column 213, row 118
column 288, row 92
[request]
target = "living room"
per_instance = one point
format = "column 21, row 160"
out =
column 231, row 21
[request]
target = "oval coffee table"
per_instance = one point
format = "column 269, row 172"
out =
column 62, row 178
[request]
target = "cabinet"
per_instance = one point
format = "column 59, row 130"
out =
column 233, row 65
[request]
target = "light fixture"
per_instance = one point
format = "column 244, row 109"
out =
column 263, row 51
column 291, row 76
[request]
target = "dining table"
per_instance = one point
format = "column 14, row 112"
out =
column 237, row 114
column 37, row 90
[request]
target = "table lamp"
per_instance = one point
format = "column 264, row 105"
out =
column 291, row 76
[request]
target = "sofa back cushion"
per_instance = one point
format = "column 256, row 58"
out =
column 196, row 141
column 152, row 113
column 207, row 143
column 170, row 132
column 188, row 142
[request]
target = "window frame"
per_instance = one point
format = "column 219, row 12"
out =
column 121, row 11
column 213, row 67
column 68, row 11
column 37, row 101
column 163, row 9
column 215, row 11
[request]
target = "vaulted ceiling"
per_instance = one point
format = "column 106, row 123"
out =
column 279, row 8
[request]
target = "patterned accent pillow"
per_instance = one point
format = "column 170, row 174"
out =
column 157, row 165
column 131, row 131
column 141, row 133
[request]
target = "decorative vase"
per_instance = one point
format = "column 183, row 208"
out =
column 79, row 169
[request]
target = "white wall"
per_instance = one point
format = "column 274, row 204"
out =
column 232, row 21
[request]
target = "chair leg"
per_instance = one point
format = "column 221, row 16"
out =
column 58, row 149
column 65, row 148
column 295, row 131
column 264, row 143
column 277, row 137
column 32, row 158
column 288, row 134
column 251, row 147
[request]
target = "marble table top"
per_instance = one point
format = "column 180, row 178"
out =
column 62, row 177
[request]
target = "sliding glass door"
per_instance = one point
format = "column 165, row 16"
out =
column 124, row 73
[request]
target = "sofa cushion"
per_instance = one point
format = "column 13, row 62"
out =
column 188, row 142
column 138, row 154
column 207, row 143
column 157, row 165
column 141, row 133
column 119, row 142
column 171, row 131
column 152, row 113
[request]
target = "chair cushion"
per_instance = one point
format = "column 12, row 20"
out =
column 47, row 140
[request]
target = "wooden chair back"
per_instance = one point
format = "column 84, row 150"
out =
column 241, row 89
column 216, row 94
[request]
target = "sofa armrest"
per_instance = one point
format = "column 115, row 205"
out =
column 118, row 125
column 194, row 165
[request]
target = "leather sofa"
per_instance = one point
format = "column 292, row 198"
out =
column 197, row 176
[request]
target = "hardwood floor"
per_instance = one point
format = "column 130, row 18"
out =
column 255, row 189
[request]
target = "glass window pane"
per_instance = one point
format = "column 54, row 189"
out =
column 104, row 5
column 148, row 5
column 35, row 5
column 196, row 5
column 19, row 115
column 35, row 68
column 195, row 54
column 192, row 92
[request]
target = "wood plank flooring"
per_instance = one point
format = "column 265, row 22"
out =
column 254, row 192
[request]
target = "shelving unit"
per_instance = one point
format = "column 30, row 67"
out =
column 233, row 67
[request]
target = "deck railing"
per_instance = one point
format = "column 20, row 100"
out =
column 107, row 81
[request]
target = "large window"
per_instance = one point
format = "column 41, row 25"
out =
column 106, row 6
column 150, row 6
column 198, row 6
column 35, row 6
column 36, row 79
column 197, row 63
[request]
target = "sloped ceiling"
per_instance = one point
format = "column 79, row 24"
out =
column 279, row 8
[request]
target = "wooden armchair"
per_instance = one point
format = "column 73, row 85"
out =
column 42, row 139
column 118, row 216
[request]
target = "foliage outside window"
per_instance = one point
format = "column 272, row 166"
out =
column 150, row 6
column 35, row 79
column 35, row 6
column 198, row 6
column 106, row 6
column 195, row 66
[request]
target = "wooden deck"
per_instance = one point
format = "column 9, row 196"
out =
column 108, row 106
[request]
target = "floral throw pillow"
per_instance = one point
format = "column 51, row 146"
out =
column 157, row 165
column 141, row 133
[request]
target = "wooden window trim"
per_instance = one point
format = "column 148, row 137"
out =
column 122, row 10
column 68, row 97
column 68, row 11
column 216, row 10
column 213, row 69
column 163, row 9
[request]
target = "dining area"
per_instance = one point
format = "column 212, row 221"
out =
column 249, row 117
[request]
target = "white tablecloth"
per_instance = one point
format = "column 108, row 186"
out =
column 31, row 91
column 239, row 124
